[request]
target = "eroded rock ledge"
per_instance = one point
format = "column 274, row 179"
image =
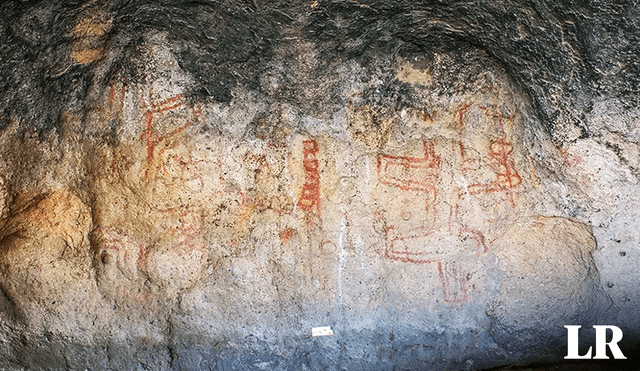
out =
column 197, row 185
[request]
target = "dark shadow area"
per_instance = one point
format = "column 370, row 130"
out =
column 629, row 347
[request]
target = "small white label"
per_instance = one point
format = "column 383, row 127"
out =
column 321, row 331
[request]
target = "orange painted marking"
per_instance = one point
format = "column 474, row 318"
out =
column 460, row 126
column 453, row 279
column 507, row 178
column 413, row 174
column 454, row 282
column 309, row 200
column 113, row 243
column 286, row 235
column 152, row 139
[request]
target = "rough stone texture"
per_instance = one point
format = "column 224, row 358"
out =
column 195, row 185
column 562, row 249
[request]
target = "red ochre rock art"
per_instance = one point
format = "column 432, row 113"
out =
column 410, row 178
column 166, row 161
column 286, row 234
column 131, row 268
column 500, row 159
column 161, row 161
column 193, row 184
column 413, row 174
column 147, row 242
column 309, row 199
column 490, row 180
column 443, row 230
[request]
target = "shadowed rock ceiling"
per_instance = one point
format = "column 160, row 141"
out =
column 565, row 55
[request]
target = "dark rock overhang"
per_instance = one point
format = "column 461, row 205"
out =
column 562, row 54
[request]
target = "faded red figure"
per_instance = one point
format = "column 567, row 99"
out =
column 309, row 200
column 162, row 172
column 439, row 206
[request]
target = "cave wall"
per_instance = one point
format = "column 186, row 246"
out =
column 198, row 184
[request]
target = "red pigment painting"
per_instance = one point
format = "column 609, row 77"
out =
column 309, row 200
column 153, row 138
column 413, row 174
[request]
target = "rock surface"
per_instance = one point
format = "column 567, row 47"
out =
column 196, row 185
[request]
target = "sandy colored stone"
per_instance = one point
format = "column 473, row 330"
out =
column 548, row 279
column 5, row 200
column 370, row 126
column 88, row 34
column 556, row 248
column 64, row 215
column 45, row 262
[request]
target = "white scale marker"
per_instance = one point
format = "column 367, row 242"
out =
column 321, row 331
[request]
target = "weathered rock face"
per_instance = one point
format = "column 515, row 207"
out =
column 197, row 185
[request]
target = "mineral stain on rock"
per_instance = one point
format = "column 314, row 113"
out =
column 197, row 185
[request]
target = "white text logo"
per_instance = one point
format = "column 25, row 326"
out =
column 601, row 343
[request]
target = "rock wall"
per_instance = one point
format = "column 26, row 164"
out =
column 197, row 185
